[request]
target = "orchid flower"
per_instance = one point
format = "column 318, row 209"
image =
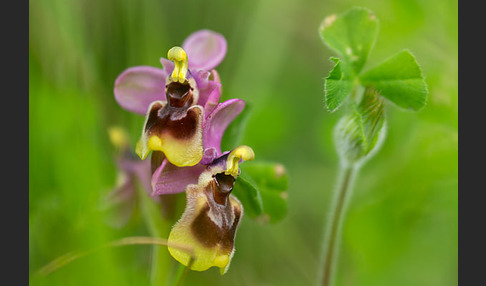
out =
column 212, row 215
column 175, row 98
column 170, row 179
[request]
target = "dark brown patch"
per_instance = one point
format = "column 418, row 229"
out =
column 159, row 121
column 223, row 187
column 153, row 115
column 179, row 94
column 228, row 241
column 205, row 230
column 219, row 205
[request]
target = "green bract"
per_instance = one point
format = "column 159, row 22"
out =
column 352, row 35
column 360, row 133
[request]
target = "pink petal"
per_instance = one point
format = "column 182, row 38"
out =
column 142, row 170
column 216, row 122
column 209, row 155
column 215, row 95
column 211, row 93
column 205, row 49
column 170, row 179
column 137, row 87
column 167, row 65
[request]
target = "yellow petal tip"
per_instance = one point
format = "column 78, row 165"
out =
column 221, row 261
column 141, row 150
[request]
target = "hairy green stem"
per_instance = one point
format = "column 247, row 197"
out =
column 334, row 224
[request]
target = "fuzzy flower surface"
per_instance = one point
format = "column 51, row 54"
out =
column 212, row 215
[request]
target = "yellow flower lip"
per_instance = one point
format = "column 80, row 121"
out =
column 181, row 63
column 179, row 139
column 242, row 152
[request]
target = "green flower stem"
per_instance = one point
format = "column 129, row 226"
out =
column 334, row 223
column 158, row 227
column 181, row 272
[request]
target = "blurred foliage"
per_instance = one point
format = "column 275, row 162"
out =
column 262, row 189
column 401, row 227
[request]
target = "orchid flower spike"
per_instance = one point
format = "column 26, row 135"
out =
column 174, row 110
column 212, row 215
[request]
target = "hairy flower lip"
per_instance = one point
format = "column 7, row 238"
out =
column 175, row 127
column 177, row 132
column 214, row 125
column 210, row 220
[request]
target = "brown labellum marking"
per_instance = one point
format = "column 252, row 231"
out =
column 179, row 94
column 229, row 237
column 159, row 121
column 210, row 234
column 205, row 230
column 219, row 207
column 153, row 115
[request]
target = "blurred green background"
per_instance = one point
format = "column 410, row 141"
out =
column 401, row 225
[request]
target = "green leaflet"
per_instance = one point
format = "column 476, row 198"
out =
column 262, row 189
column 338, row 85
column 352, row 34
column 400, row 79
column 247, row 192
